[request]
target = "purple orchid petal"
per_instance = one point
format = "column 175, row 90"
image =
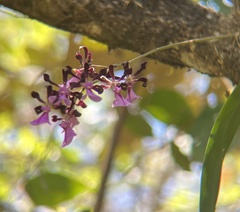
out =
column 67, row 128
column 52, row 99
column 44, row 118
column 60, row 100
column 73, row 80
column 61, row 97
column 119, row 101
column 73, row 121
column 131, row 96
column 64, row 98
column 63, row 89
column 89, row 86
column 93, row 96
column 69, row 133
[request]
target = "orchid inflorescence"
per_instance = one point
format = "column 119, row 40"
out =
column 80, row 83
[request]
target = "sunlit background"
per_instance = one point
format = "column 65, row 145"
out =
column 157, row 163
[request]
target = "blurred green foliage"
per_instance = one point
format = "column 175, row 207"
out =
column 51, row 189
column 158, row 160
column 169, row 107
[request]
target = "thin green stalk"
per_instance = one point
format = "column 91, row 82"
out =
column 197, row 40
column 162, row 48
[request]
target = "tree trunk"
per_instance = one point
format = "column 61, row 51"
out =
column 143, row 26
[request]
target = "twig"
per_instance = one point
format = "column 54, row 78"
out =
column 109, row 158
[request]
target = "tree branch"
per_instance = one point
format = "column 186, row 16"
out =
column 109, row 158
column 141, row 27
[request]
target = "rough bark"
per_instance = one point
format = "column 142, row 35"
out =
column 142, row 26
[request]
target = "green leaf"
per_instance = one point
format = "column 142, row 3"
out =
column 179, row 158
column 169, row 106
column 219, row 141
column 138, row 125
column 50, row 189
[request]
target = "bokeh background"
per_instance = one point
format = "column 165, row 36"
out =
column 158, row 159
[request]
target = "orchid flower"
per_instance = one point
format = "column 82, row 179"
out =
column 80, row 83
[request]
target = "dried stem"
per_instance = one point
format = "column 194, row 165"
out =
column 109, row 158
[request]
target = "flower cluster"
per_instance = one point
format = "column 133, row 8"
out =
column 79, row 84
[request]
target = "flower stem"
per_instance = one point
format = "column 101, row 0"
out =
column 197, row 40
column 109, row 157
